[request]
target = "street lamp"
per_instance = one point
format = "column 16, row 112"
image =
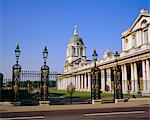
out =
column 45, row 55
column 44, row 76
column 17, row 53
column 71, row 90
column 16, row 75
column 94, row 55
column 117, row 79
column 95, row 82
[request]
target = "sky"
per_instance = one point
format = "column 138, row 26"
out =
column 36, row 23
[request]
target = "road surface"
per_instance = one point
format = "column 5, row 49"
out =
column 130, row 113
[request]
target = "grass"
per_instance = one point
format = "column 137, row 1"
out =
column 83, row 94
column 64, row 93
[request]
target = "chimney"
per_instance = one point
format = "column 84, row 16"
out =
column 144, row 11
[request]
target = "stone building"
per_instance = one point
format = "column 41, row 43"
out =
column 134, row 61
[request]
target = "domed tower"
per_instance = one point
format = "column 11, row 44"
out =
column 75, row 48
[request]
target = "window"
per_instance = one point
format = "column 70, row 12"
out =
column 134, row 40
column 81, row 51
column 126, row 44
column 77, row 51
column 126, row 40
column 73, row 51
column 145, row 36
column 143, row 23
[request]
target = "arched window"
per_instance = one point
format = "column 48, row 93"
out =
column 134, row 43
column 126, row 44
column 143, row 23
column 145, row 36
column 73, row 51
column 81, row 51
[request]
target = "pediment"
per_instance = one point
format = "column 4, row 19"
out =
column 78, row 60
column 67, row 63
column 137, row 23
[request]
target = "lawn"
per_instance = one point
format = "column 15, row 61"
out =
column 83, row 94
column 64, row 93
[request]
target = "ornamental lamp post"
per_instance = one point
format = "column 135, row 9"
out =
column 117, row 79
column 95, row 82
column 17, row 53
column 16, row 72
column 71, row 89
column 44, row 77
column 45, row 55
column 94, row 55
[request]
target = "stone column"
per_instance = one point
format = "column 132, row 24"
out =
column 75, row 77
column 149, row 33
column 102, row 81
column 89, row 82
column 61, row 83
column 123, row 84
column 74, row 83
column 125, row 79
column 85, row 82
column 58, row 84
column 135, row 77
column 144, row 76
column 65, row 83
column 68, row 81
column 83, row 85
column 148, row 74
column 109, row 78
column 80, row 82
column 77, row 80
column 132, row 78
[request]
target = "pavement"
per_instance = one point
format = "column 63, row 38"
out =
column 134, row 103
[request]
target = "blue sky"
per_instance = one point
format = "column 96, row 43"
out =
column 36, row 23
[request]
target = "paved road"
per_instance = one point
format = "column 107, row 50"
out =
column 131, row 113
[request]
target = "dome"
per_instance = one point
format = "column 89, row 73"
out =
column 75, row 39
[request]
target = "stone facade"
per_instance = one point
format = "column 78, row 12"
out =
column 134, row 61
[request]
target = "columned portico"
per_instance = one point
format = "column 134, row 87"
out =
column 134, row 61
